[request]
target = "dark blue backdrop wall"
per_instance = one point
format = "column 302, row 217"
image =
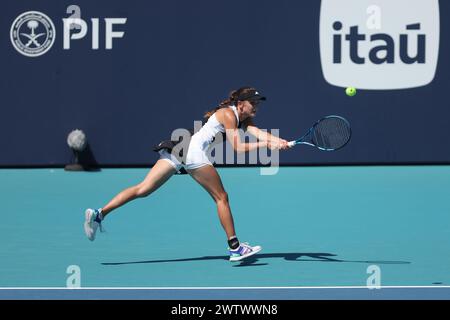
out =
column 179, row 58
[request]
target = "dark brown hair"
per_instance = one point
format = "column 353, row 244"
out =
column 231, row 100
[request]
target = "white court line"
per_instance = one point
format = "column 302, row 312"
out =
column 219, row 288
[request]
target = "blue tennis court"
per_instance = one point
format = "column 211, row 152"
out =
column 322, row 230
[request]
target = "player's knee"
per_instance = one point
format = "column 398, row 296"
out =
column 222, row 197
column 143, row 191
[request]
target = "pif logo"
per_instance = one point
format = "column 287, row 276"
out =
column 33, row 33
column 379, row 44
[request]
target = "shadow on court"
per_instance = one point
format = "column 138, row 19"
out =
column 259, row 259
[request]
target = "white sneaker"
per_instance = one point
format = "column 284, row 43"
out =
column 244, row 251
column 91, row 223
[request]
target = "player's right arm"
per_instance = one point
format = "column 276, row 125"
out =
column 265, row 136
column 229, row 121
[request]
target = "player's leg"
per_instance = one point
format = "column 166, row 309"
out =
column 209, row 179
column 157, row 176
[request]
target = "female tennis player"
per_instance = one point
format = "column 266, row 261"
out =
column 235, row 112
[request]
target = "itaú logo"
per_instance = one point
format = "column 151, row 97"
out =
column 379, row 44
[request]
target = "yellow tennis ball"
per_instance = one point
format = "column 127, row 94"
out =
column 350, row 91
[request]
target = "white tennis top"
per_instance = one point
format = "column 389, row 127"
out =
column 210, row 129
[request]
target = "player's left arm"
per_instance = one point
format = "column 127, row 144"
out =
column 263, row 135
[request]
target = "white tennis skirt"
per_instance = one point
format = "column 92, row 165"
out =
column 196, row 158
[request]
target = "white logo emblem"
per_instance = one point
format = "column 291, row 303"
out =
column 32, row 33
column 379, row 44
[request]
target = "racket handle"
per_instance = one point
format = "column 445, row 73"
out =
column 291, row 144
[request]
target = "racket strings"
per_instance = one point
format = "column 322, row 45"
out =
column 331, row 133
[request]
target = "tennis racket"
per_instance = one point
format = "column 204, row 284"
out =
column 328, row 134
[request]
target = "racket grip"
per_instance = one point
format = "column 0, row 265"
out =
column 291, row 144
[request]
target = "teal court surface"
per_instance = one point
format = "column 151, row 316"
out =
column 326, row 233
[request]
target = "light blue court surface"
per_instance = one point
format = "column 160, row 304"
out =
column 319, row 227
